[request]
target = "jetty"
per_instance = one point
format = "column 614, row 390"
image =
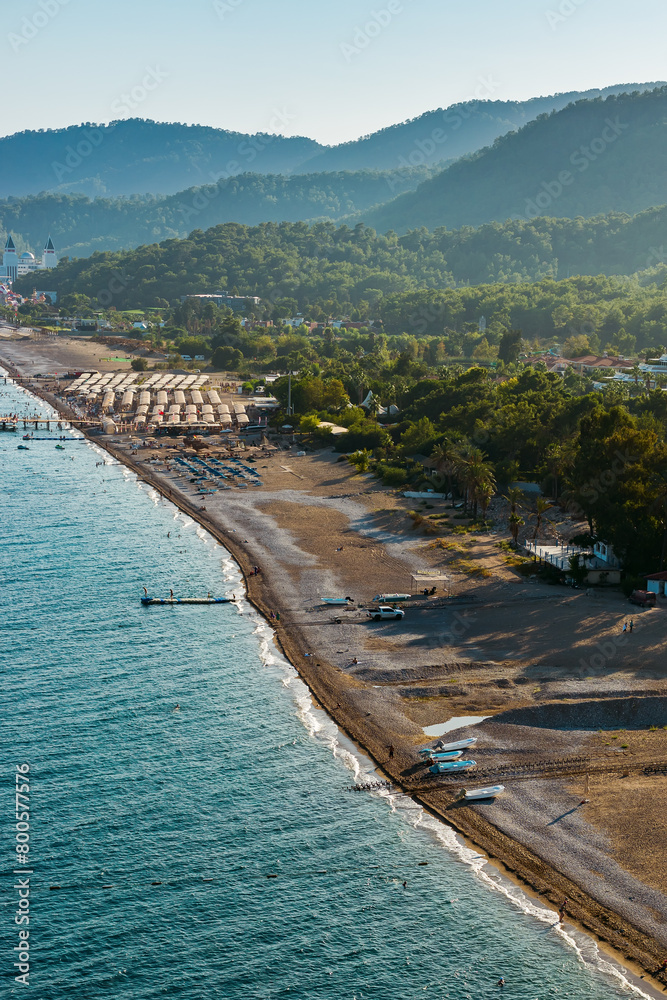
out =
column 186, row 600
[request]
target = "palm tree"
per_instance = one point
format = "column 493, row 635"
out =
column 373, row 406
column 515, row 522
column 541, row 507
column 514, row 497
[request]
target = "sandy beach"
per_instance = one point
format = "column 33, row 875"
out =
column 574, row 707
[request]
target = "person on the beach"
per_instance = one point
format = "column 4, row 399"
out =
column 277, row 616
column 390, row 749
column 354, row 660
column 625, row 626
column 561, row 912
column 632, row 625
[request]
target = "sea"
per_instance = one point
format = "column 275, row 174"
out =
column 191, row 831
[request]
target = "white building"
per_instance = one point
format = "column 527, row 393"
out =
column 14, row 267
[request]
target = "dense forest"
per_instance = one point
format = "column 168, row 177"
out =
column 413, row 283
column 592, row 157
column 80, row 225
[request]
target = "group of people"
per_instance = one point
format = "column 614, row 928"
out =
column 628, row 626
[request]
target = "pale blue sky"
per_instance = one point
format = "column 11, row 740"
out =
column 330, row 69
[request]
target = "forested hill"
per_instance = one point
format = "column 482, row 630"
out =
column 452, row 132
column 592, row 157
column 339, row 268
column 137, row 156
column 80, row 225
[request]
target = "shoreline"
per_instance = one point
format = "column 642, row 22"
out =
column 334, row 691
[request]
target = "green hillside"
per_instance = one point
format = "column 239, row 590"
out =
column 343, row 267
column 591, row 158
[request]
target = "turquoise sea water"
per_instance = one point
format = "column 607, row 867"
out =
column 245, row 780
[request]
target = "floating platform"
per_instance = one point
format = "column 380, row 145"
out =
column 186, row 600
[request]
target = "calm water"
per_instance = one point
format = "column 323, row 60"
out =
column 244, row 781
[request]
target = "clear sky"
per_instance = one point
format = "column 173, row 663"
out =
column 329, row 69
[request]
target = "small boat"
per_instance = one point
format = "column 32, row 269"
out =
column 460, row 745
column 455, row 765
column 484, row 793
column 22, row 447
column 388, row 598
column 27, row 437
column 441, row 747
column 59, row 447
column 336, row 600
column 442, row 758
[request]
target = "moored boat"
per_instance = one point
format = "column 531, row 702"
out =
column 441, row 747
column 336, row 600
column 454, row 765
column 441, row 758
column 484, row 793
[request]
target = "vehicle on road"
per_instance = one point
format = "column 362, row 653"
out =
column 385, row 612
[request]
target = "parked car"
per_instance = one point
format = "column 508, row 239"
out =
column 384, row 612
column 644, row 598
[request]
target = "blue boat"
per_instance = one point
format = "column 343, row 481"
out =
column 455, row 765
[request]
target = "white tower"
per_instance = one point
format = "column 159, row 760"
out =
column 49, row 255
column 10, row 260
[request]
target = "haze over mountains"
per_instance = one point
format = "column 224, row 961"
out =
column 136, row 156
column 602, row 154
column 592, row 157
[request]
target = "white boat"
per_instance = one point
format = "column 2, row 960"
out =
column 441, row 747
column 388, row 598
column 460, row 745
column 484, row 793
column 336, row 600
column 441, row 758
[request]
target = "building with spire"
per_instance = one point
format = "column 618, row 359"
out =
column 14, row 266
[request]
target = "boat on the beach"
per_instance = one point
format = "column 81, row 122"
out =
column 441, row 747
column 336, row 600
column 388, row 598
column 459, row 745
column 186, row 600
column 437, row 757
column 484, row 793
column 454, row 765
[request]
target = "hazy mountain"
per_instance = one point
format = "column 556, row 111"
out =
column 80, row 225
column 449, row 133
column 136, row 156
column 592, row 157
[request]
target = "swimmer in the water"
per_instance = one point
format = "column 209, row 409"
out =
column 145, row 592
column 501, row 981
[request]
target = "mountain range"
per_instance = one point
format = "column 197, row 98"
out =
column 136, row 156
